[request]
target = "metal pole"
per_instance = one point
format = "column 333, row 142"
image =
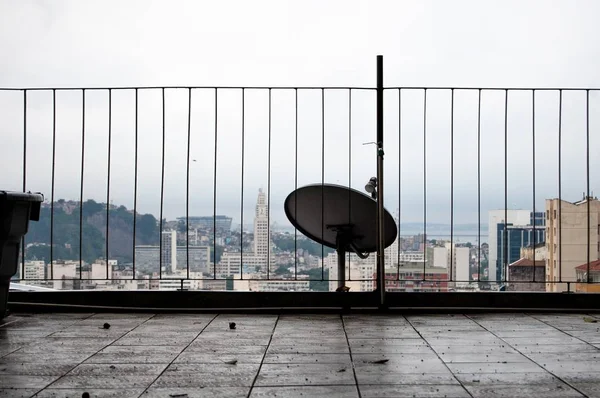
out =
column 380, row 208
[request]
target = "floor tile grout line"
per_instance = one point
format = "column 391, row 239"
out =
column 177, row 356
column 264, row 356
column 438, row 355
column 519, row 351
column 73, row 323
column 564, row 331
column 89, row 356
column 9, row 323
column 351, row 358
column 76, row 365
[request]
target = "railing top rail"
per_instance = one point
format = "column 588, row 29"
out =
column 302, row 88
column 189, row 87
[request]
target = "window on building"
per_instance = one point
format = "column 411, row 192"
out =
column 547, row 214
column 555, row 214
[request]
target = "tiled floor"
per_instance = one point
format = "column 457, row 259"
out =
column 495, row 355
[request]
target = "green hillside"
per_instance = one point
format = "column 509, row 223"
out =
column 93, row 232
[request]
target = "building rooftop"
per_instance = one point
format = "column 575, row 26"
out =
column 525, row 262
column 594, row 266
column 360, row 355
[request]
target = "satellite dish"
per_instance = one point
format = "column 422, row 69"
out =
column 341, row 218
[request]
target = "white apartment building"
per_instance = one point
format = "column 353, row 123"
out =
column 458, row 257
column 64, row 272
column 34, row 270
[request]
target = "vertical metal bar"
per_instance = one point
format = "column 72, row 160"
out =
column 296, row 183
column 587, row 170
column 349, row 174
column 242, row 194
column 399, row 181
column 135, row 178
column 323, row 182
column 533, row 193
column 505, row 231
column 560, row 97
column 53, row 184
column 187, row 186
column 162, row 188
column 24, row 175
column 479, row 190
column 380, row 208
column 215, row 187
column 81, row 185
column 108, row 176
column 451, row 184
column 424, row 182
column 269, row 189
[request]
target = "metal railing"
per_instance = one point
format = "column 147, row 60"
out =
column 230, row 131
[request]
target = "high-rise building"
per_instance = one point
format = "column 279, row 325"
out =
column 147, row 256
column 506, row 243
column 169, row 250
column 567, row 239
column 262, row 239
column 231, row 262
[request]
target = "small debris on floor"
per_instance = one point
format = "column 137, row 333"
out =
column 380, row 361
column 178, row 395
column 85, row 395
column 232, row 362
column 590, row 320
column 231, row 325
column 106, row 326
column 341, row 370
column 113, row 367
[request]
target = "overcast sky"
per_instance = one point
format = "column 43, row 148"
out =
column 303, row 43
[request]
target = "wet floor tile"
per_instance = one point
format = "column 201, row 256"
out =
column 304, row 374
column 400, row 391
column 18, row 392
column 136, row 354
column 499, row 390
column 196, row 392
column 306, row 391
column 102, row 382
column 25, row 381
column 94, row 392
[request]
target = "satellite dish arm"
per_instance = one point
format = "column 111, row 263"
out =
column 358, row 253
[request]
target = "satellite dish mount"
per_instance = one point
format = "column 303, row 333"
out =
column 340, row 218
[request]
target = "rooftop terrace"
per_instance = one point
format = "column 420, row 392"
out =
column 199, row 355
